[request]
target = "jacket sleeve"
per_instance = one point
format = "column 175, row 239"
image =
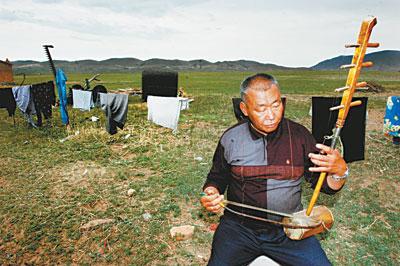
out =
column 219, row 174
column 312, row 177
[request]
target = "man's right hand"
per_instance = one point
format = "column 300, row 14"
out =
column 212, row 200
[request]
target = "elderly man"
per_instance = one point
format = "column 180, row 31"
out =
column 260, row 162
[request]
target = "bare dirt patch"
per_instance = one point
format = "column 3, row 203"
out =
column 122, row 151
column 203, row 125
column 11, row 247
column 3, row 182
column 364, row 182
column 389, row 190
column 142, row 173
column 118, row 148
column 100, row 205
column 79, row 175
column 375, row 119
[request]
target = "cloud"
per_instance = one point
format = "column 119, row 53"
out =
column 86, row 19
column 152, row 8
column 295, row 34
column 47, row 1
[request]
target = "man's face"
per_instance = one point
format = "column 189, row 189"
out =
column 263, row 106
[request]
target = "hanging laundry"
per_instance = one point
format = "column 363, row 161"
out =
column 115, row 106
column 82, row 100
column 7, row 101
column 61, row 79
column 43, row 97
column 391, row 122
column 185, row 103
column 160, row 83
column 23, row 99
column 353, row 132
column 95, row 93
column 164, row 111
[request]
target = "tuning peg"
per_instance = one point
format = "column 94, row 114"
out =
column 373, row 45
column 358, row 85
column 364, row 64
column 361, row 84
column 356, row 103
column 351, row 45
column 367, row 64
column 347, row 66
column 342, row 89
column 356, row 45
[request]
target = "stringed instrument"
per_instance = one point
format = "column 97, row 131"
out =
column 320, row 212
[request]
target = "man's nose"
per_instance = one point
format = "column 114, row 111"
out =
column 269, row 114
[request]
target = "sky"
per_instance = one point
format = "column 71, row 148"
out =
column 287, row 33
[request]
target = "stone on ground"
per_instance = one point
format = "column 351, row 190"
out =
column 183, row 232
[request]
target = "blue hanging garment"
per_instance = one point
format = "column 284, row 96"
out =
column 391, row 122
column 62, row 95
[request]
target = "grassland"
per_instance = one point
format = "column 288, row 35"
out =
column 49, row 189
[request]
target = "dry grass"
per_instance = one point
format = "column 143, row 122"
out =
column 49, row 189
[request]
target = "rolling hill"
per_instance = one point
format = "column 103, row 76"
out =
column 133, row 64
column 388, row 60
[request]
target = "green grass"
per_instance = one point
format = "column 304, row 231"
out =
column 49, row 189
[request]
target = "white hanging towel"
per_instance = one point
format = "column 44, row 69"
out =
column 82, row 99
column 164, row 111
column 185, row 103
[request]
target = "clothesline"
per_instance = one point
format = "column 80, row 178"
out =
column 114, row 105
column 7, row 86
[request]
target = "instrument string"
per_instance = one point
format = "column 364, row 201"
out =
column 287, row 225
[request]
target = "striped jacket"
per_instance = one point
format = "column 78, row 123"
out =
column 263, row 171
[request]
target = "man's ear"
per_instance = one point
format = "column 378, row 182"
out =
column 243, row 108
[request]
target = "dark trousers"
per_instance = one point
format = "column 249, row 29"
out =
column 235, row 244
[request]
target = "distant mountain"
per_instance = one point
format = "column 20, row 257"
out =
column 383, row 60
column 133, row 64
column 388, row 60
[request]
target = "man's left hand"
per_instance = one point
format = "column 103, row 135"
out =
column 329, row 160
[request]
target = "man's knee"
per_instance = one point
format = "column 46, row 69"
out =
column 233, row 245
